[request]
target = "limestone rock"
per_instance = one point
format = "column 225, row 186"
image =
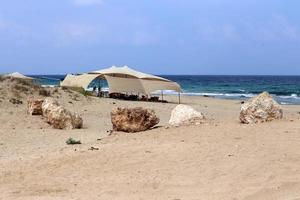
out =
column 185, row 115
column 133, row 119
column 60, row 117
column 34, row 106
column 48, row 105
column 262, row 108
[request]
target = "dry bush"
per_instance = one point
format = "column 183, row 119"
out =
column 16, row 94
column 44, row 92
column 20, row 88
column 23, row 81
column 3, row 78
column 55, row 90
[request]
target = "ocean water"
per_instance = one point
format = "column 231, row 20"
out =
column 285, row 89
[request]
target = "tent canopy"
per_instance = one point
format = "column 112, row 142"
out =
column 123, row 79
column 127, row 72
column 18, row 75
column 78, row 80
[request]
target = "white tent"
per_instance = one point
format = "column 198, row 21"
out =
column 18, row 75
column 123, row 79
column 81, row 81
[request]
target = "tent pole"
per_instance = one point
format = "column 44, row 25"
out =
column 178, row 97
column 99, row 87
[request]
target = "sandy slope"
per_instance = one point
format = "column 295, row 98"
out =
column 220, row 159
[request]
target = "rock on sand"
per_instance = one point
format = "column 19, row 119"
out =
column 60, row 117
column 133, row 119
column 35, row 106
column 185, row 115
column 262, row 108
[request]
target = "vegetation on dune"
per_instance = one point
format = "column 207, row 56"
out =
column 44, row 92
column 78, row 90
column 72, row 141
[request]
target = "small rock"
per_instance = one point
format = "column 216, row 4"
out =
column 15, row 101
column 93, row 149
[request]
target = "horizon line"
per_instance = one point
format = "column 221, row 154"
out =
column 183, row 74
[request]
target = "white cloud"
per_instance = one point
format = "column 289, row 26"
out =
column 144, row 38
column 216, row 32
column 278, row 28
column 273, row 29
column 87, row 2
column 77, row 31
column 70, row 33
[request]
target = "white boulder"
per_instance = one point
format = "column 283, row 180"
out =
column 262, row 108
column 185, row 115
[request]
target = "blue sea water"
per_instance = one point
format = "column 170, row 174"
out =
column 285, row 89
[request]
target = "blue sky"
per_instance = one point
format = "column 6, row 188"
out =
column 154, row 36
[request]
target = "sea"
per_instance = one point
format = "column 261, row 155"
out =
column 285, row 89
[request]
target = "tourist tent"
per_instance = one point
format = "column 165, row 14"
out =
column 81, row 81
column 18, row 75
column 123, row 79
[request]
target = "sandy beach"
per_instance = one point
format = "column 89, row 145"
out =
column 220, row 159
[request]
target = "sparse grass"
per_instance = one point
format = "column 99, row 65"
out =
column 20, row 88
column 55, row 90
column 72, row 141
column 44, row 92
column 78, row 90
column 3, row 78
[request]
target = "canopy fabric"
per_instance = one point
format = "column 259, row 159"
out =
column 127, row 71
column 119, row 84
column 82, row 81
column 123, row 79
column 18, row 75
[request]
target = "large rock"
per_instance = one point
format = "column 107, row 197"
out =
column 133, row 119
column 185, row 115
column 60, row 117
column 48, row 105
column 34, row 106
column 262, row 108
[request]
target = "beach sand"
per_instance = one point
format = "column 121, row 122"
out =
column 220, row 159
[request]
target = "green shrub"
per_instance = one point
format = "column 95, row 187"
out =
column 71, row 141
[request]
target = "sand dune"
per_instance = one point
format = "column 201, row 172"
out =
column 220, row 159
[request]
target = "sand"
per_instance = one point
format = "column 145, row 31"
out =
column 220, row 159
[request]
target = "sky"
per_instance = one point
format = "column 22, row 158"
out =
column 196, row 37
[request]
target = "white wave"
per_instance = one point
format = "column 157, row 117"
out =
column 292, row 96
column 104, row 89
column 49, row 86
column 237, row 95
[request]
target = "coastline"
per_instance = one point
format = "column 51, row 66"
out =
column 285, row 89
